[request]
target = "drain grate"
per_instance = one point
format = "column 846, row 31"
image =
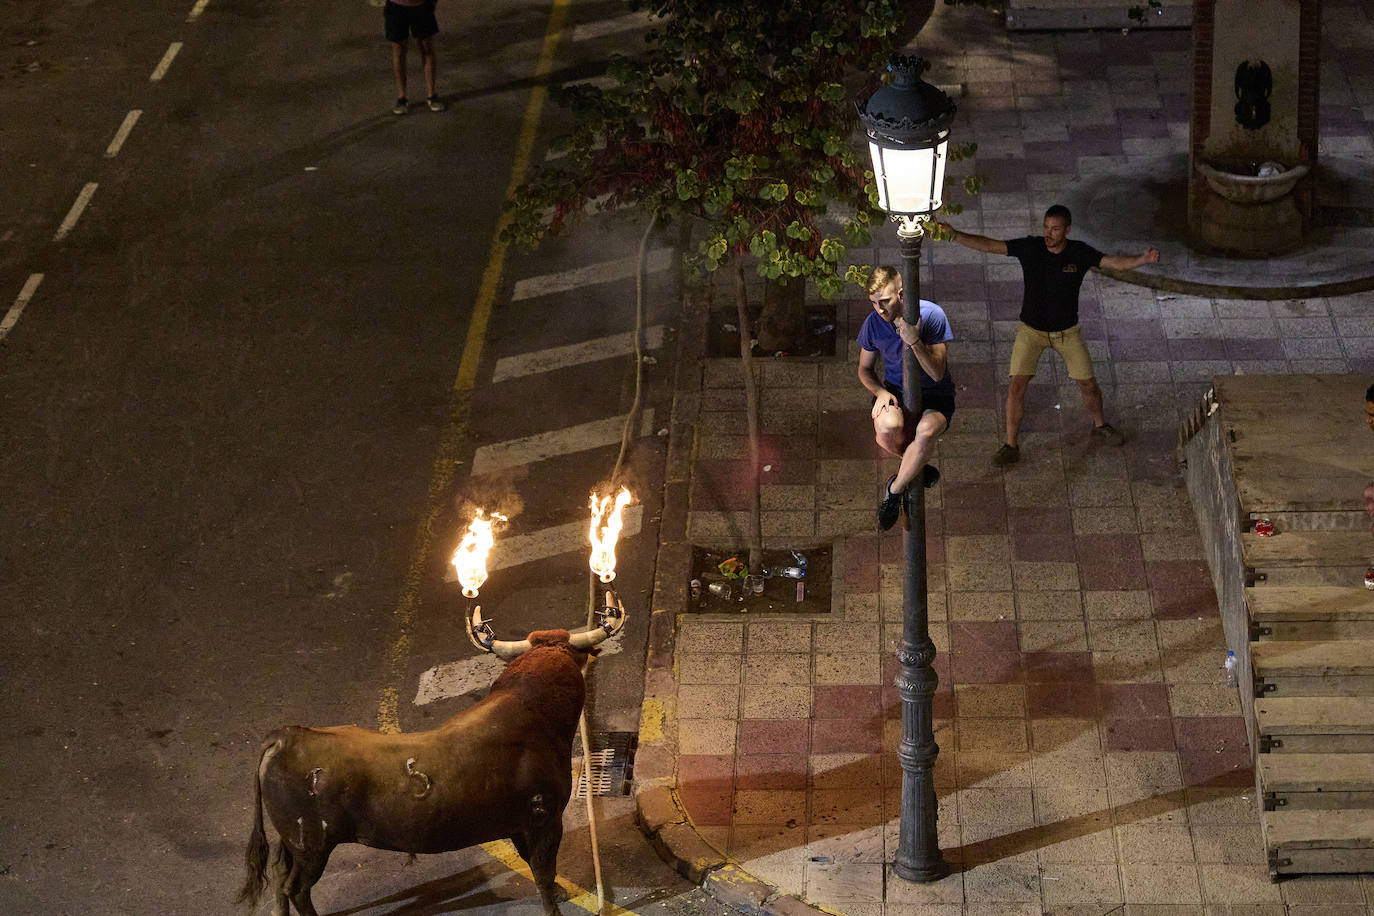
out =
column 611, row 766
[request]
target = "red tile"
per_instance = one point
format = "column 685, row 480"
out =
column 721, row 485
column 1230, row 767
column 773, row 736
column 987, row 668
column 861, row 570
column 771, row 771
column 847, row 434
column 1184, row 602
column 1059, row 667
column 1042, row 548
column 844, row 702
column 708, row 807
column 1107, row 571
column 1137, row 735
column 1071, row 700
column 1053, row 523
column 1178, row 573
column 1133, row 701
column 1210, row 733
column 978, row 636
column 857, row 735
column 705, row 771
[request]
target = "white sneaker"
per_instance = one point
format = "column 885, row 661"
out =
column 435, row 104
column 400, row 107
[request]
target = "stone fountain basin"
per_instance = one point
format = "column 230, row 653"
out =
column 1251, row 189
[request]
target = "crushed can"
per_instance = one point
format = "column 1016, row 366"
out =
column 1264, row 528
column 721, row 590
column 696, row 589
column 1369, row 577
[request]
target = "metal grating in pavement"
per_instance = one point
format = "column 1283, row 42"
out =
column 611, row 766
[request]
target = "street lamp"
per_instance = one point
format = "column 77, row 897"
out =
column 907, row 122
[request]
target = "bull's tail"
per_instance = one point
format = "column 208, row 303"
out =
column 255, row 855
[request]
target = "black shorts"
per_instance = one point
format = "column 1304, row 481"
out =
column 939, row 401
column 404, row 21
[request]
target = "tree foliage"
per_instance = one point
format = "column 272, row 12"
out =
column 736, row 115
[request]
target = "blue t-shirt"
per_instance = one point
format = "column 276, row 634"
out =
column 877, row 334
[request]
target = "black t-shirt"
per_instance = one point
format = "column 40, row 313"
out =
column 1052, row 281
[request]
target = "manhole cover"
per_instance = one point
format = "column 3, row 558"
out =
column 610, row 767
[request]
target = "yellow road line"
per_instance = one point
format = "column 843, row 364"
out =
column 578, row 896
column 388, row 707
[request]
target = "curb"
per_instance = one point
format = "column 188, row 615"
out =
column 659, row 812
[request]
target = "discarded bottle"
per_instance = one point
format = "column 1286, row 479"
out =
column 1232, row 672
column 696, row 589
column 1264, row 528
column 792, row 572
column 799, row 558
column 1369, row 577
column 721, row 590
column 754, row 584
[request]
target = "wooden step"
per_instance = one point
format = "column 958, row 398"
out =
column 1315, row 725
column 1312, row 842
column 1270, row 604
column 1333, row 668
column 1308, row 558
column 1291, row 773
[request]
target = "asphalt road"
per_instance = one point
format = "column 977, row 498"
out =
column 234, row 461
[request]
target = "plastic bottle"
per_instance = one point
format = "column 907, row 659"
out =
column 1232, row 672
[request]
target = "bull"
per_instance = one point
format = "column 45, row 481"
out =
column 501, row 769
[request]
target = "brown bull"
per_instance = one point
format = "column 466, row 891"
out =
column 501, row 769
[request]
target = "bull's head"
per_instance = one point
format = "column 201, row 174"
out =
column 610, row 619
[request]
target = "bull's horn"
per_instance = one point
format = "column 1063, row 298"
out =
column 613, row 620
column 479, row 631
column 502, row 648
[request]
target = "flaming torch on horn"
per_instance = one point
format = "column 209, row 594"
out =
column 605, row 531
column 470, row 559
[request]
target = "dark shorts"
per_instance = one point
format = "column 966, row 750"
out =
column 939, row 401
column 404, row 21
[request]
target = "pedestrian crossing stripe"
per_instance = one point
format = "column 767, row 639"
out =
column 583, row 437
column 589, row 351
column 659, row 259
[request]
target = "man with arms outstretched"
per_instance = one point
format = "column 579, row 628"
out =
column 1052, row 271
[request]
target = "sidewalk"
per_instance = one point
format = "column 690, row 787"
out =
column 1092, row 759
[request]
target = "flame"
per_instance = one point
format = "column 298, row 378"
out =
column 604, row 536
column 470, row 559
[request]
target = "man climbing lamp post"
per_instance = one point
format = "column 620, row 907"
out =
column 907, row 122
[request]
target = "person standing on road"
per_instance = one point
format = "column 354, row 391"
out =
column 1052, row 271
column 885, row 332
column 404, row 18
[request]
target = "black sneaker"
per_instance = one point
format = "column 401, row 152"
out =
column 435, row 104
column 930, row 475
column 401, row 106
column 1007, row 454
column 1109, row 433
column 889, row 506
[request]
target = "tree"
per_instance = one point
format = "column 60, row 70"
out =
column 736, row 118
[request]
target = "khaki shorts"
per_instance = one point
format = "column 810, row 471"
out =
column 1030, row 343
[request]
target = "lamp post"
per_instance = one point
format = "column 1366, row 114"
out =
column 907, row 122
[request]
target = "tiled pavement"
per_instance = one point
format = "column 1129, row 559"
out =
column 1092, row 759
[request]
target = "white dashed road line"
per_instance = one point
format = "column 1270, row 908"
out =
column 74, row 214
column 605, row 272
column 12, row 316
column 122, row 134
column 589, row 351
column 165, row 64
column 197, row 10
column 541, row 446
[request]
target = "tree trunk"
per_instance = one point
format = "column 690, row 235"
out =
column 782, row 323
column 751, row 412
